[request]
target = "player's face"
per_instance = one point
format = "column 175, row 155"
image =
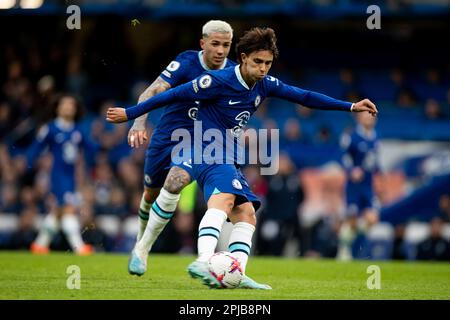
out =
column 216, row 48
column 67, row 108
column 256, row 65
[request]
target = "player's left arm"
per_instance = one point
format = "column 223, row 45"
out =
column 315, row 100
column 41, row 141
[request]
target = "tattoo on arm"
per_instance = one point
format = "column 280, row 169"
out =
column 176, row 180
column 158, row 86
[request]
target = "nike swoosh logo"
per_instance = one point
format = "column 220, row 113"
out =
column 233, row 102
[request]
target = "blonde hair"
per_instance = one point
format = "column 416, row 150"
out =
column 213, row 26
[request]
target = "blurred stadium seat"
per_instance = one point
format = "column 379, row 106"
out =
column 415, row 232
column 381, row 241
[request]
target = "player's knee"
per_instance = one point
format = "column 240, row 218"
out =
column 244, row 213
column 371, row 216
column 176, row 180
column 174, row 188
column 251, row 218
column 222, row 201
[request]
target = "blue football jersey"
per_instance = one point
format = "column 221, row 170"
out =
column 227, row 103
column 187, row 66
column 360, row 150
column 65, row 142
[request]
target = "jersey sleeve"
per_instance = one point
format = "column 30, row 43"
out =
column 310, row 99
column 176, row 72
column 39, row 144
column 204, row 87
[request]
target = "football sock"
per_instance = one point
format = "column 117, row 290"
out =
column 362, row 226
column 144, row 209
column 208, row 232
column 47, row 231
column 240, row 242
column 346, row 237
column 161, row 212
column 71, row 228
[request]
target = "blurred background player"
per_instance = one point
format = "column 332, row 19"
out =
column 64, row 141
column 154, row 215
column 360, row 162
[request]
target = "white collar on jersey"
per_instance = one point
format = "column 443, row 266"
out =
column 369, row 135
column 200, row 58
column 64, row 124
column 237, row 71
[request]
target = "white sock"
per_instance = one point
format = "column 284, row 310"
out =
column 49, row 227
column 346, row 234
column 240, row 243
column 362, row 226
column 346, row 237
column 71, row 228
column 160, row 214
column 144, row 209
column 208, row 232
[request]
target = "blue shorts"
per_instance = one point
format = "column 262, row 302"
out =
column 158, row 161
column 63, row 189
column 222, row 178
column 359, row 198
column 156, row 166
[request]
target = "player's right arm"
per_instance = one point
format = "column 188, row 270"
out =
column 137, row 134
column 41, row 141
column 176, row 73
column 202, row 88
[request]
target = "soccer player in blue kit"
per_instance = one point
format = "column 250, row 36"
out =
column 154, row 215
column 65, row 141
column 228, row 98
column 360, row 162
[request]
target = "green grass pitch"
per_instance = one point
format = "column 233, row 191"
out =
column 104, row 276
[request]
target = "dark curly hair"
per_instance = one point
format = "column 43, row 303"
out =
column 78, row 103
column 257, row 39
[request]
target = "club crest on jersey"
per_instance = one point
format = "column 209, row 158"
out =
column 59, row 138
column 205, row 81
column 257, row 100
column 147, row 179
column 236, row 184
column 173, row 66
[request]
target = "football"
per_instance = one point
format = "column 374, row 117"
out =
column 226, row 269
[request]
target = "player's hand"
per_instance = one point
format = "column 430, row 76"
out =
column 116, row 115
column 365, row 105
column 356, row 175
column 136, row 138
